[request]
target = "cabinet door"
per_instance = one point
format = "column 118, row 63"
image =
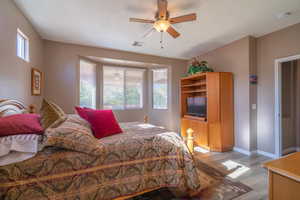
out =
column 200, row 131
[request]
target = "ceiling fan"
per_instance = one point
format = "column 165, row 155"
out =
column 163, row 22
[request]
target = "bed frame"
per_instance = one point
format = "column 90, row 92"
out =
column 11, row 107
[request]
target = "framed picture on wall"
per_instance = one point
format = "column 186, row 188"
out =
column 36, row 82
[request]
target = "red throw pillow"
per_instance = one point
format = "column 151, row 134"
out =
column 82, row 112
column 103, row 123
column 20, row 124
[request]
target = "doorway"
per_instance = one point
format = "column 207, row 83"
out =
column 287, row 105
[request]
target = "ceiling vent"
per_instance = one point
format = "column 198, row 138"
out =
column 137, row 44
column 284, row 15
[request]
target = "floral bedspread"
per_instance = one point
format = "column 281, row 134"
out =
column 144, row 157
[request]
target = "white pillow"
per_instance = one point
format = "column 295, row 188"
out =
column 17, row 148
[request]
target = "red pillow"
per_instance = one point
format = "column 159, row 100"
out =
column 82, row 112
column 103, row 122
column 20, row 124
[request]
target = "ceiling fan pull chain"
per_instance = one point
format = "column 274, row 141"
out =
column 161, row 40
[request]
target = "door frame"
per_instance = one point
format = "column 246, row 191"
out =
column 278, row 107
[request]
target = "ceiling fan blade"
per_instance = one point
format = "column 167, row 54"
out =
column 148, row 33
column 173, row 32
column 141, row 20
column 184, row 18
column 162, row 9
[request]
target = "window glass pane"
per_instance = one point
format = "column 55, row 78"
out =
column 22, row 46
column 87, row 84
column 160, row 89
column 134, row 88
column 113, row 89
column 19, row 45
column 26, row 50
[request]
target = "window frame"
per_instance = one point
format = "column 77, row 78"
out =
column 152, row 87
column 79, row 79
column 24, row 55
column 125, row 68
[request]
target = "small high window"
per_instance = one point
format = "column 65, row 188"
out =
column 22, row 46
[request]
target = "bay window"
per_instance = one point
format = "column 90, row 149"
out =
column 160, row 88
column 120, row 88
column 88, row 83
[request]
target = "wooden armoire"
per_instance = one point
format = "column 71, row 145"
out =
column 215, row 131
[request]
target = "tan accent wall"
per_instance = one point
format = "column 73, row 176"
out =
column 298, row 105
column 15, row 74
column 253, row 94
column 235, row 58
column 61, row 67
column 283, row 43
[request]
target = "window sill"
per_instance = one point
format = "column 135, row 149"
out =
column 22, row 59
column 127, row 109
column 160, row 108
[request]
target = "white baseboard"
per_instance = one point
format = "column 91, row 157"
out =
column 267, row 154
column 243, row 151
column 249, row 153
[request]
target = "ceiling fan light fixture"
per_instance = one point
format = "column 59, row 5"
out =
column 162, row 25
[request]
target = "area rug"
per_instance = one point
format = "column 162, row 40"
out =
column 222, row 189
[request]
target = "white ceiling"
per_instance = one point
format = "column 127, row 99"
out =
column 104, row 23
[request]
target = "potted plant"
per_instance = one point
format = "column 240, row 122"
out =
column 199, row 67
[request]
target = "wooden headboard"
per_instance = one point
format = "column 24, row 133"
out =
column 11, row 107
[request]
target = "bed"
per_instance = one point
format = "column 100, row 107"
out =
column 142, row 159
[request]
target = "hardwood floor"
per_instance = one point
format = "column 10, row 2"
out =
column 250, row 173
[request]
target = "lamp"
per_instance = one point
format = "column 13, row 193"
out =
column 162, row 25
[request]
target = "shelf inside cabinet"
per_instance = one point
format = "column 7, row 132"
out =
column 194, row 91
column 203, row 83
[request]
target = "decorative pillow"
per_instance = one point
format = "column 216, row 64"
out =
column 72, row 135
column 51, row 115
column 20, row 124
column 103, row 123
column 82, row 112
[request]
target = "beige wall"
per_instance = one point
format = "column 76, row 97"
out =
column 15, row 74
column 235, row 58
column 61, row 65
column 253, row 94
column 279, row 44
